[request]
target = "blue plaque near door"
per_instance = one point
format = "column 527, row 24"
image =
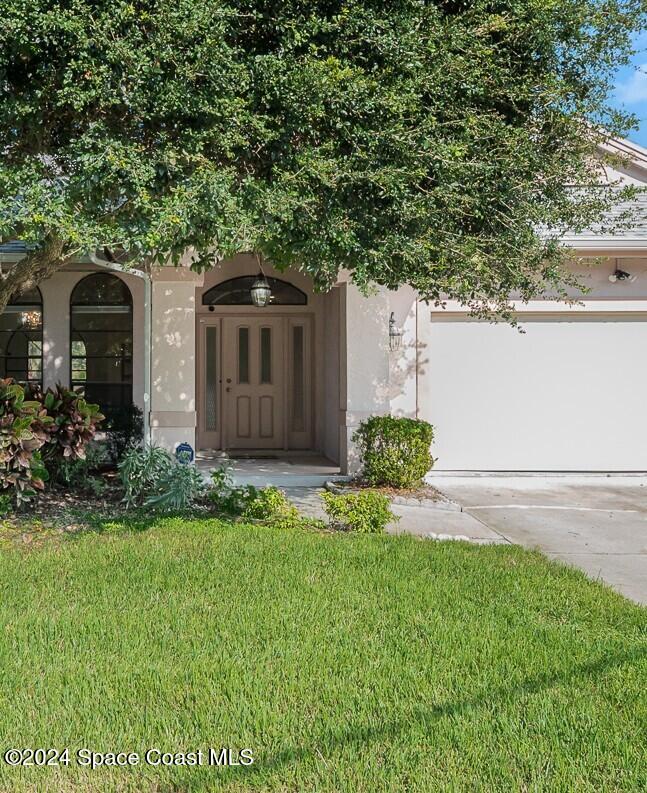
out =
column 184, row 453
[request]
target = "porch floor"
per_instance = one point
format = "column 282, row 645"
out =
column 281, row 470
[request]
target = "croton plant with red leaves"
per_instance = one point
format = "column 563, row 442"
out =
column 37, row 428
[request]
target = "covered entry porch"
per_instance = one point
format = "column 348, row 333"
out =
column 292, row 380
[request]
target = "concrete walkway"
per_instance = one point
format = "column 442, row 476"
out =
column 596, row 523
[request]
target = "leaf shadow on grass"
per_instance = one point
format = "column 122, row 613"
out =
column 132, row 522
column 362, row 735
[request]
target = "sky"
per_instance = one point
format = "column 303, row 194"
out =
column 630, row 93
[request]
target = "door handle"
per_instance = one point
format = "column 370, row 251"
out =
column 229, row 379
column 228, row 389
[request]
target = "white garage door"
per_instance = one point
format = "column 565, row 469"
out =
column 567, row 395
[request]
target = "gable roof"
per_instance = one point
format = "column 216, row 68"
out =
column 628, row 166
column 630, row 236
column 635, row 155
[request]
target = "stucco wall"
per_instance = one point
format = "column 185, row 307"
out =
column 364, row 364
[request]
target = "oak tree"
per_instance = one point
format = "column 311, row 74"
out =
column 435, row 144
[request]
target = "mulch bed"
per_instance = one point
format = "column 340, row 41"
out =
column 426, row 492
column 61, row 510
column 56, row 500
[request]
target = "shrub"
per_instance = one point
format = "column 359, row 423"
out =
column 124, row 427
column 74, row 422
column 249, row 502
column 271, row 504
column 394, row 451
column 38, row 430
column 367, row 512
column 153, row 478
column 140, row 469
column 226, row 496
column 177, row 489
column 78, row 474
column 24, row 430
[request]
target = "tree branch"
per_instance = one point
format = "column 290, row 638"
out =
column 33, row 268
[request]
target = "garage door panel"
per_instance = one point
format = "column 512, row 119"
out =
column 563, row 395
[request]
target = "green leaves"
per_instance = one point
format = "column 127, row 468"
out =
column 153, row 478
column 367, row 511
column 419, row 143
column 50, row 427
column 394, row 451
column 22, row 434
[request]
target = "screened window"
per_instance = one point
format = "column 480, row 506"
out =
column 21, row 338
column 101, row 312
column 237, row 292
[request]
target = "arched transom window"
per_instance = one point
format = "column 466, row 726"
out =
column 21, row 338
column 101, row 310
column 237, row 292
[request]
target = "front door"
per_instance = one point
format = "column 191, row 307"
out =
column 253, row 382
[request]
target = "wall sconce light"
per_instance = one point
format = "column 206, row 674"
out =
column 395, row 334
column 261, row 291
column 621, row 275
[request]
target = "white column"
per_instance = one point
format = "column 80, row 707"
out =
column 56, row 293
column 173, row 347
column 425, row 351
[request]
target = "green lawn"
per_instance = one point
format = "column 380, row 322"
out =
column 346, row 663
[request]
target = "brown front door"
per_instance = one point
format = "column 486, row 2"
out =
column 253, row 365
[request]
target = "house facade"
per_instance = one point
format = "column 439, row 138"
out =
column 209, row 368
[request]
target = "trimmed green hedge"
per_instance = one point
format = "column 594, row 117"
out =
column 394, row 451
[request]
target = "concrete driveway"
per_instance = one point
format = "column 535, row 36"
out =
column 597, row 523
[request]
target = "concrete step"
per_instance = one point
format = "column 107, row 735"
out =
column 285, row 471
column 286, row 480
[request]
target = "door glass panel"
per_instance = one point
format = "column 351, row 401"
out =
column 298, row 385
column 266, row 355
column 211, row 379
column 243, row 355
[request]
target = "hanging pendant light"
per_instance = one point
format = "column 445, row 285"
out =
column 261, row 291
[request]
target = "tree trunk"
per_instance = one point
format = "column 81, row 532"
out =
column 33, row 268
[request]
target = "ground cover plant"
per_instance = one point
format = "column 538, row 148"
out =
column 368, row 512
column 346, row 662
column 249, row 503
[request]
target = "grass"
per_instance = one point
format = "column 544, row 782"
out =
column 346, row 663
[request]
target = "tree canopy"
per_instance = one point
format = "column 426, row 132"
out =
column 429, row 143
